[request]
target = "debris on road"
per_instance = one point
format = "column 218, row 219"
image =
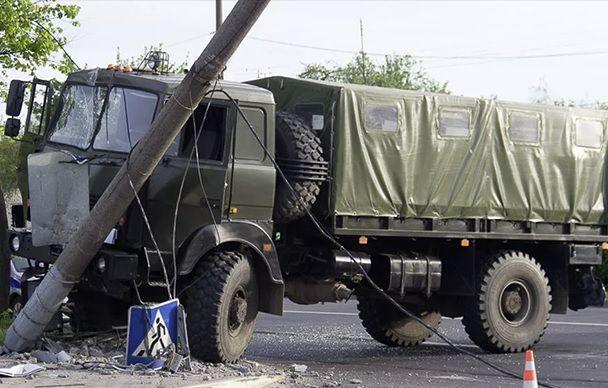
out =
column 20, row 370
column 50, row 357
column 102, row 354
column 299, row 368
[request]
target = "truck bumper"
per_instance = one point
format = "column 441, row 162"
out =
column 20, row 244
column 108, row 264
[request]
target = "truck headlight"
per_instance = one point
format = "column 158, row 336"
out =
column 101, row 264
column 15, row 243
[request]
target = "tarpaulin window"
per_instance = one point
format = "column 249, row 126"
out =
column 589, row 133
column 524, row 127
column 454, row 122
column 312, row 114
column 382, row 118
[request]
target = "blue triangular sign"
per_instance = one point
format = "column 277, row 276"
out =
column 151, row 329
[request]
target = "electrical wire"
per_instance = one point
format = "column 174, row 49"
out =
column 327, row 236
column 149, row 227
column 141, row 206
column 59, row 44
column 441, row 57
column 181, row 187
column 197, row 134
column 371, row 283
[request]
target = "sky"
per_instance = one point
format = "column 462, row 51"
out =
column 481, row 48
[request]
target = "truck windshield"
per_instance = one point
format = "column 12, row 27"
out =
column 80, row 108
column 125, row 119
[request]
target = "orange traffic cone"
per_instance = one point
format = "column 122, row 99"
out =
column 530, row 371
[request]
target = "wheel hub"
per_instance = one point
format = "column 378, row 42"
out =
column 238, row 310
column 515, row 302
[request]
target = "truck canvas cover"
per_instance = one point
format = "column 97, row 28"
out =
column 405, row 153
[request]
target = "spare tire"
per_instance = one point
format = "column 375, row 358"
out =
column 296, row 142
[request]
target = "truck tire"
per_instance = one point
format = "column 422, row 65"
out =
column 386, row 325
column 511, row 307
column 221, row 307
column 295, row 141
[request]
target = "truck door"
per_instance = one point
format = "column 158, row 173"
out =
column 202, row 197
column 36, row 122
column 253, row 179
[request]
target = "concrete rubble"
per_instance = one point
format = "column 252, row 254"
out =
column 103, row 355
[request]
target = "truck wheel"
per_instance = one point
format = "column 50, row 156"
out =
column 295, row 141
column 221, row 307
column 386, row 325
column 511, row 308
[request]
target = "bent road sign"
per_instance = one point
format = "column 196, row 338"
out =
column 151, row 329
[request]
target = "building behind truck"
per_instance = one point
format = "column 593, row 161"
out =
column 455, row 206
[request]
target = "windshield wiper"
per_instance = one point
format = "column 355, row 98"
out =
column 79, row 159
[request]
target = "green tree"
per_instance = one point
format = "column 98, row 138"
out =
column 540, row 94
column 9, row 150
column 394, row 71
column 136, row 61
column 31, row 32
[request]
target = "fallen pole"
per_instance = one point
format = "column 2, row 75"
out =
column 87, row 240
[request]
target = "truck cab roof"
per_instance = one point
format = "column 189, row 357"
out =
column 166, row 84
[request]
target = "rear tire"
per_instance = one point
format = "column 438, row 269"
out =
column 222, row 306
column 389, row 326
column 295, row 141
column 511, row 308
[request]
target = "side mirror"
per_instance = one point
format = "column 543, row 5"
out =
column 12, row 126
column 16, row 93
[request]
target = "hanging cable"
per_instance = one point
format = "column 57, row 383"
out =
column 141, row 206
column 196, row 138
column 371, row 283
column 58, row 42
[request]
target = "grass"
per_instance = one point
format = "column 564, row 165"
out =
column 6, row 318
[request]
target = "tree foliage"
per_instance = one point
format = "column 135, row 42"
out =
column 31, row 32
column 9, row 151
column 137, row 61
column 395, row 71
column 540, row 94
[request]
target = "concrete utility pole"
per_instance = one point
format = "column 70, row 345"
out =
column 362, row 51
column 87, row 240
column 218, row 14
column 218, row 22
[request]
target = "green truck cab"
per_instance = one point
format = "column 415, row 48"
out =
column 454, row 206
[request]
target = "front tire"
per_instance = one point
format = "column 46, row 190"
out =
column 222, row 306
column 511, row 308
column 384, row 323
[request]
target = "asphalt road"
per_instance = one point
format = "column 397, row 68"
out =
column 330, row 340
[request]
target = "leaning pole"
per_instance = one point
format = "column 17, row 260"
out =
column 89, row 237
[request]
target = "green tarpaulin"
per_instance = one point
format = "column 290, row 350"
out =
column 412, row 154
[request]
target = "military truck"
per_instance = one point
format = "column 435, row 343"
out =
column 459, row 207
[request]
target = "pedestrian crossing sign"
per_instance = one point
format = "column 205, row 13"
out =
column 150, row 330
